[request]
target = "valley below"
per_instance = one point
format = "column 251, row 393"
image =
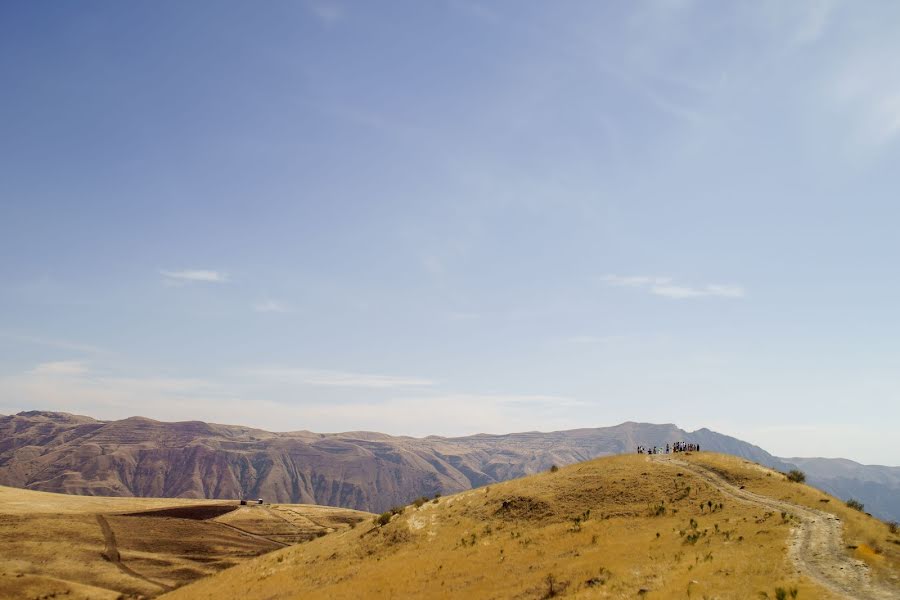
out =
column 143, row 509
column 57, row 545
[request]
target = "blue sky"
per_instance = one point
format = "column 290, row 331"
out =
column 454, row 217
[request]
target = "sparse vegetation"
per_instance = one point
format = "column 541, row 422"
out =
column 554, row 469
column 893, row 527
column 544, row 537
column 855, row 505
column 782, row 593
column 796, row 475
column 385, row 517
column 600, row 579
column 554, row 586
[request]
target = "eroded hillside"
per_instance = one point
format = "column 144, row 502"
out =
column 58, row 452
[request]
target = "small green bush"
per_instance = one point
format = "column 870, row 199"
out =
column 554, row 469
column 855, row 504
column 796, row 475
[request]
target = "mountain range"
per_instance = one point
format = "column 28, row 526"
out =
column 60, row 452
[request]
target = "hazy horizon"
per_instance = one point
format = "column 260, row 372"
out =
column 456, row 217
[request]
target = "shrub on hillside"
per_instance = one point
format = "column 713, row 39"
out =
column 855, row 504
column 796, row 475
column 385, row 517
column 893, row 527
column 554, row 469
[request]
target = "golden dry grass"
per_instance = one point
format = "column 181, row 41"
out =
column 867, row 538
column 618, row 527
column 54, row 545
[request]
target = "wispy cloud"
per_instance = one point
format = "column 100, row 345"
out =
column 186, row 276
column 668, row 288
column 74, row 386
column 451, row 414
column 815, row 17
column 634, row 280
column 683, row 291
column 319, row 377
column 327, row 11
column 271, row 306
column 52, row 343
column 60, row 368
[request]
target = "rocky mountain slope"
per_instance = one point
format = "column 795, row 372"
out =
column 141, row 457
column 878, row 487
column 60, row 452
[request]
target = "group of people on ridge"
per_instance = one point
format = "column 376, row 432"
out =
column 676, row 447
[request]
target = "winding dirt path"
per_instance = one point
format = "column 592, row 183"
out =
column 817, row 542
column 111, row 553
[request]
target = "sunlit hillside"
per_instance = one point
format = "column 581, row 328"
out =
column 701, row 526
column 56, row 545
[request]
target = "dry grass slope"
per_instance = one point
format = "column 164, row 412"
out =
column 92, row 547
column 619, row 527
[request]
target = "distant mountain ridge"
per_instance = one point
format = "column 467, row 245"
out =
column 59, row 452
column 877, row 486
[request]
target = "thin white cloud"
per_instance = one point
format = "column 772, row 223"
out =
column 194, row 276
column 53, row 343
column 634, row 280
column 71, row 386
column 271, row 306
column 667, row 288
column 814, row 21
column 451, row 414
column 682, row 291
column 319, row 377
column 61, row 368
column 327, row 11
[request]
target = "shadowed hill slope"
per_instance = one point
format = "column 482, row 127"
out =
column 93, row 547
column 630, row 526
column 141, row 457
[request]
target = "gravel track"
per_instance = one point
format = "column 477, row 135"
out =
column 816, row 545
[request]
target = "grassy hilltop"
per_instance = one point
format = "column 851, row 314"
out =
column 618, row 527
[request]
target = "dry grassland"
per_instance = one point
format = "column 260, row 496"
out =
column 866, row 538
column 619, row 527
column 58, row 545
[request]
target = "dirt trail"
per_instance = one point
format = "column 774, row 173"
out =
column 817, row 543
column 111, row 553
column 252, row 535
